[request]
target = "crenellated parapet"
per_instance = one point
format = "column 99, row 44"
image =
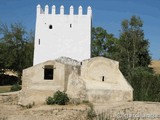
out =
column 71, row 10
column 65, row 31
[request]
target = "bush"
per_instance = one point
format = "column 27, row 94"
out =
column 16, row 87
column 145, row 84
column 60, row 98
column 50, row 101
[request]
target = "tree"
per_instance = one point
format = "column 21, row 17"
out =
column 133, row 47
column 145, row 84
column 103, row 43
column 16, row 47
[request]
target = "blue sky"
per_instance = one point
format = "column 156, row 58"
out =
column 106, row 13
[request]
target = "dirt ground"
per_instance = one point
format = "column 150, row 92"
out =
column 111, row 111
column 130, row 110
column 44, row 112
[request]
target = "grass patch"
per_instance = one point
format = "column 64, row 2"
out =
column 4, row 89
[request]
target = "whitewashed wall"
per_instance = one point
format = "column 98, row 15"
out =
column 70, row 35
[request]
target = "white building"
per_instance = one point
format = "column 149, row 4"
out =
column 62, row 34
column 95, row 79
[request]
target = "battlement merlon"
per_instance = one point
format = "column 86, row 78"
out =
column 71, row 11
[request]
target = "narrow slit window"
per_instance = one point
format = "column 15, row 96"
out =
column 102, row 78
column 70, row 25
column 50, row 27
column 48, row 72
column 39, row 41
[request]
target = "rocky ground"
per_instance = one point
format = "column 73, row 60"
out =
column 130, row 110
column 101, row 111
column 44, row 112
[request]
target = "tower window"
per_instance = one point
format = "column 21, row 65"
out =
column 50, row 27
column 48, row 72
column 102, row 78
column 39, row 42
column 70, row 25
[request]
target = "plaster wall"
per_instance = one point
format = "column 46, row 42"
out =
column 104, row 81
column 33, row 77
column 36, row 88
column 97, row 80
column 69, row 36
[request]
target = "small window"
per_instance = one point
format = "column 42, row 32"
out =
column 39, row 42
column 50, row 26
column 70, row 25
column 48, row 72
column 102, row 78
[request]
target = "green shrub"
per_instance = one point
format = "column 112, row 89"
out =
column 60, row 98
column 16, row 87
column 145, row 84
column 50, row 100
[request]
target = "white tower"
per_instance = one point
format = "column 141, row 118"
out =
column 62, row 34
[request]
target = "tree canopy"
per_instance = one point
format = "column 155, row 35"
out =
column 103, row 43
column 131, row 49
column 16, row 47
